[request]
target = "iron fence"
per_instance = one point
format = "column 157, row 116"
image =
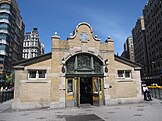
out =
column 6, row 95
column 156, row 92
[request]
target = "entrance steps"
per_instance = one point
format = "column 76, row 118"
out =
column 86, row 106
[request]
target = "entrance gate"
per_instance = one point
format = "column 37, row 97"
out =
column 83, row 90
column 86, row 90
column 84, row 80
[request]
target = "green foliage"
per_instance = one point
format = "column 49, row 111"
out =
column 10, row 78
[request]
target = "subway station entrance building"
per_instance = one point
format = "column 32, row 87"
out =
column 80, row 70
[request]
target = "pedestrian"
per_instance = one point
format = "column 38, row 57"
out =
column 1, row 89
column 148, row 95
column 145, row 90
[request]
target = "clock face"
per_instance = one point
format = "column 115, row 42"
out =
column 84, row 36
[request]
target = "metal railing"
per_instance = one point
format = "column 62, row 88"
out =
column 6, row 95
column 156, row 92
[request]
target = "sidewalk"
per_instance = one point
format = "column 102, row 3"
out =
column 5, row 105
column 145, row 111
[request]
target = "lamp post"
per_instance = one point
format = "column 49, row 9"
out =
column 152, row 71
column 160, row 77
column 144, row 74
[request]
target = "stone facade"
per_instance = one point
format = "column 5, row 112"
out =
column 129, row 49
column 140, row 46
column 147, row 39
column 112, row 79
column 32, row 46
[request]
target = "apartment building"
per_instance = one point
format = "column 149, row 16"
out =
column 129, row 49
column 11, row 36
column 153, row 26
column 140, row 46
column 32, row 46
column 42, row 48
column 147, row 38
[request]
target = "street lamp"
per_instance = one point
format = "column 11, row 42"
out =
column 152, row 68
column 151, row 71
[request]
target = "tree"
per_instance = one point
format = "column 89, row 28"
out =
column 10, row 79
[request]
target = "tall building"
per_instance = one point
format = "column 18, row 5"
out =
column 153, row 26
column 147, row 37
column 42, row 48
column 128, row 49
column 11, row 36
column 32, row 46
column 140, row 46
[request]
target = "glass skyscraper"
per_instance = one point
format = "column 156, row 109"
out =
column 11, row 36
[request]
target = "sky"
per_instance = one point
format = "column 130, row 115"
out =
column 115, row 18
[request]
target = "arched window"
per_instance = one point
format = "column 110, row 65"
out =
column 82, row 64
column 84, row 61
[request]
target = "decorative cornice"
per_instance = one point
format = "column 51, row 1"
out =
column 72, row 36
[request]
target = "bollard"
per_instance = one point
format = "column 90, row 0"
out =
column 9, row 97
column 6, row 95
column 12, row 94
column 3, row 96
column 1, row 100
column 151, row 92
column 155, row 92
column 159, row 93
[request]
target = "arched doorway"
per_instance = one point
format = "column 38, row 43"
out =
column 84, row 80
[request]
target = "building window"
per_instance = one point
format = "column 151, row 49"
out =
column 97, row 85
column 27, row 55
column 84, row 61
column 127, row 74
column 120, row 73
column 124, row 73
column 42, row 73
column 70, row 87
column 33, row 55
column 5, row 6
column 3, row 36
column 1, row 61
column 1, row 67
column 4, row 16
column 23, row 55
column 32, row 73
column 4, row 26
column 37, row 74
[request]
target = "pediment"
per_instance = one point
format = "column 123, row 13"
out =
column 83, row 32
